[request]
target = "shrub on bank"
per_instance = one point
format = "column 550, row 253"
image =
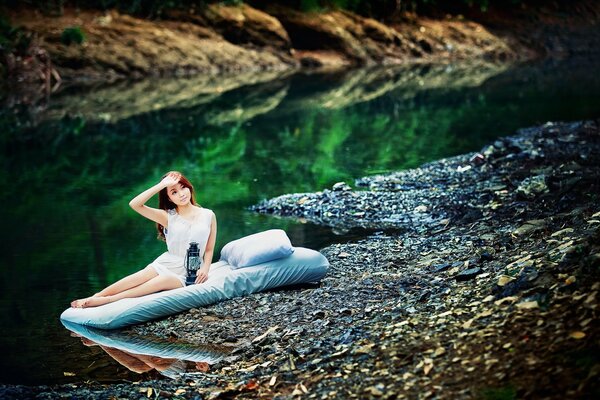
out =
column 14, row 42
column 72, row 34
column 12, row 39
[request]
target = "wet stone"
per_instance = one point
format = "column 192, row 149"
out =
column 531, row 187
column 468, row 274
column 441, row 267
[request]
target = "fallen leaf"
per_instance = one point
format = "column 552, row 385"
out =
column 264, row 335
column 297, row 392
column 591, row 298
column 375, row 391
column 273, row 380
column 509, row 299
column 577, row 335
column 585, row 322
column 519, row 261
column 504, row 280
column 251, row 385
column 179, row 391
column 250, row 368
column 366, row 349
column 562, row 231
column 149, row 392
column 444, row 314
column 468, row 324
column 439, row 351
column 427, row 368
column 69, row 373
column 339, row 353
column 528, row 305
column 303, row 388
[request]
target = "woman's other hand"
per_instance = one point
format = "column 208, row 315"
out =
column 171, row 179
column 201, row 275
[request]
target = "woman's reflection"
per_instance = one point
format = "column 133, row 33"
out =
column 142, row 363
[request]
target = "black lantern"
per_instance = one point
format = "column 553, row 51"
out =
column 192, row 263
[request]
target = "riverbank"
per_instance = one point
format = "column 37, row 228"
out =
column 479, row 280
column 224, row 38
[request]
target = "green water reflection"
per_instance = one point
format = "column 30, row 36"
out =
column 69, row 171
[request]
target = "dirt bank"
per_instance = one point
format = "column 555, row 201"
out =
column 222, row 38
column 487, row 288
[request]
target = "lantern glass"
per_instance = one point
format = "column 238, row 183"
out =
column 192, row 263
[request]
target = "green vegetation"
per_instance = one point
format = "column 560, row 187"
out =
column 72, row 34
column 12, row 39
column 14, row 42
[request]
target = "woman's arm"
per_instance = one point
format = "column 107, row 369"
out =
column 202, row 274
column 138, row 203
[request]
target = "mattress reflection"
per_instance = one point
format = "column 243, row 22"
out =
column 142, row 354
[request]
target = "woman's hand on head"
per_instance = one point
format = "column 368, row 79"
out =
column 171, row 179
column 201, row 276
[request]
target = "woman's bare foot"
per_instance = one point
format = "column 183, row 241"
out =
column 93, row 301
column 80, row 303
column 97, row 301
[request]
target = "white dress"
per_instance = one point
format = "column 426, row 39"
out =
column 179, row 233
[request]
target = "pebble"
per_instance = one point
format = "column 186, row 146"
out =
column 467, row 274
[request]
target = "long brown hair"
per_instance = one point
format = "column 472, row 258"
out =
column 164, row 203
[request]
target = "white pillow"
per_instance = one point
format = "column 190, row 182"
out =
column 257, row 248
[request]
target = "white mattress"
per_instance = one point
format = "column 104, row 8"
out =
column 302, row 266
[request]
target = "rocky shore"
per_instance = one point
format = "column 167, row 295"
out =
column 479, row 280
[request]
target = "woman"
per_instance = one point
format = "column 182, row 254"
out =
column 179, row 221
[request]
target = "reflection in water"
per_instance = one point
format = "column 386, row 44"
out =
column 142, row 355
column 405, row 81
column 67, row 175
column 242, row 97
column 125, row 99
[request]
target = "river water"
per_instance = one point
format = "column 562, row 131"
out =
column 72, row 162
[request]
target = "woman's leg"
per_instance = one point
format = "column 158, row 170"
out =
column 128, row 282
column 121, row 285
column 156, row 284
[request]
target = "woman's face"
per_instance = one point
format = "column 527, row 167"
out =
column 179, row 194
